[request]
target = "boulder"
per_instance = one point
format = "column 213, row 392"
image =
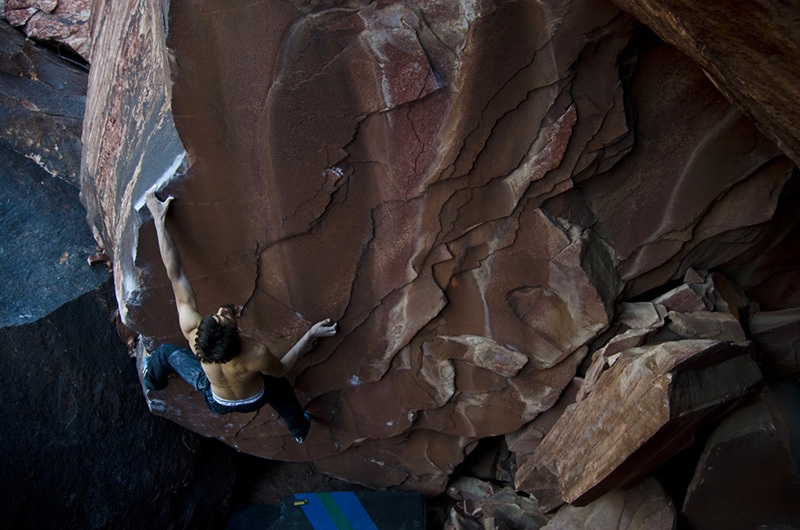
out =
column 706, row 325
column 468, row 189
column 748, row 475
column 642, row 412
column 641, row 315
column 696, row 309
column 401, row 252
column 686, row 298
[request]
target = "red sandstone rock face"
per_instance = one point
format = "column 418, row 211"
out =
column 467, row 188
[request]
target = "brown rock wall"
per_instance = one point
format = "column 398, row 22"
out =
column 467, row 188
column 677, row 190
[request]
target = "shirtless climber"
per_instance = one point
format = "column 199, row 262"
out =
column 234, row 374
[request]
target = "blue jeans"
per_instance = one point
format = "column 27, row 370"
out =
column 278, row 391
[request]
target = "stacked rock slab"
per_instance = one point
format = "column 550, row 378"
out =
column 643, row 411
column 467, row 188
column 648, row 391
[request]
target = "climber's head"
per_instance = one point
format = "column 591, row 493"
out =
column 218, row 336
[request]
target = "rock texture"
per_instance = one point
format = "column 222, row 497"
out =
column 488, row 197
column 44, row 246
column 491, row 507
column 64, row 23
column 672, row 366
column 645, row 505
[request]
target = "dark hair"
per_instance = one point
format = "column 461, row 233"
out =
column 216, row 343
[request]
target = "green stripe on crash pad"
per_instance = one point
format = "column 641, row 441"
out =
column 354, row 510
column 336, row 513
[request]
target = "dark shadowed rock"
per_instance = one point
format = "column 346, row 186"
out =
column 777, row 337
column 45, row 239
column 748, row 475
column 78, row 446
column 770, row 271
column 46, row 242
column 676, row 217
column 41, row 105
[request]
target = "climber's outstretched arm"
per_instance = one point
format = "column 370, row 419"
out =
column 188, row 315
column 306, row 342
